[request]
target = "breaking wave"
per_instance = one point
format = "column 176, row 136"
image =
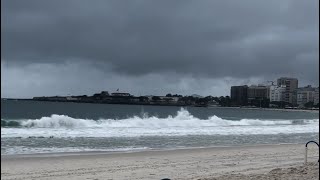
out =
column 183, row 123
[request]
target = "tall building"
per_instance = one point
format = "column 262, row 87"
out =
column 239, row 95
column 277, row 93
column 291, row 87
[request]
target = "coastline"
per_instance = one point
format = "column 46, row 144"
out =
column 89, row 153
column 191, row 163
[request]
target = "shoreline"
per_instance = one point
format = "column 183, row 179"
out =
column 194, row 163
column 88, row 153
column 80, row 153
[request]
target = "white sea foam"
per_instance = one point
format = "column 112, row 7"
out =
column 37, row 150
column 182, row 124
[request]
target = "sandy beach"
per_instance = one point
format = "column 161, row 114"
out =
column 246, row 162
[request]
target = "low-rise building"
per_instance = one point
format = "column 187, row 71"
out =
column 120, row 94
column 305, row 95
column 70, row 98
column 169, row 99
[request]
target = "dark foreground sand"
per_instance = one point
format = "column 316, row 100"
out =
column 218, row 163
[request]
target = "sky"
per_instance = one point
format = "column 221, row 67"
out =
column 155, row 47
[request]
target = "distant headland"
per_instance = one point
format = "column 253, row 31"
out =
column 126, row 98
column 105, row 97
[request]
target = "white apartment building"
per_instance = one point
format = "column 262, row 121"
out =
column 277, row 93
column 305, row 95
column 70, row 98
column 316, row 96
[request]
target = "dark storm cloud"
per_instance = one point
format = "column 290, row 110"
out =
column 202, row 38
column 154, row 47
column 82, row 78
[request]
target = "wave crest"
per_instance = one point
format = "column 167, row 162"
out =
column 182, row 119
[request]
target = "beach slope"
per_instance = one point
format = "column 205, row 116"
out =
column 246, row 162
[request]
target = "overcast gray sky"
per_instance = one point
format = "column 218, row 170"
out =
column 155, row 46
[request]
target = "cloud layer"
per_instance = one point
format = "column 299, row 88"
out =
column 160, row 44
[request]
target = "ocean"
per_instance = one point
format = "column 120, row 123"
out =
column 29, row 127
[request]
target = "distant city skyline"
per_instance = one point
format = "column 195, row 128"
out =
column 155, row 47
column 117, row 90
column 285, row 92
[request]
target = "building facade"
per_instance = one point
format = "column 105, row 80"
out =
column 316, row 96
column 305, row 95
column 257, row 92
column 291, row 85
column 121, row 94
column 258, row 96
column 239, row 95
column 277, row 93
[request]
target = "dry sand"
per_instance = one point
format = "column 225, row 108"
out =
column 219, row 163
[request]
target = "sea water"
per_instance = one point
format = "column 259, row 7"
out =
column 50, row 127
